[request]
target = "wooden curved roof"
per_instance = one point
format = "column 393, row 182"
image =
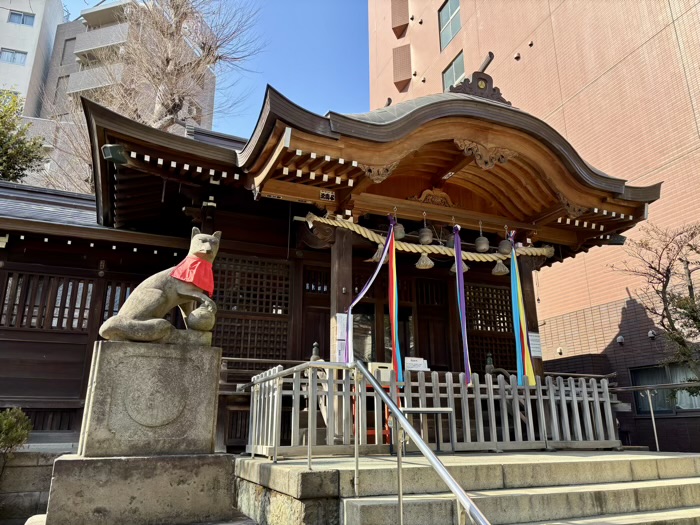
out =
column 449, row 154
column 453, row 156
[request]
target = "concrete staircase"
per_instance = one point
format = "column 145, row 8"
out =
column 538, row 488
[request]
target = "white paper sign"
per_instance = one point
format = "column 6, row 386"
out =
column 340, row 342
column 416, row 363
column 535, row 344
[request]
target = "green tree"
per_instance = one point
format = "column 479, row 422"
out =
column 14, row 432
column 19, row 153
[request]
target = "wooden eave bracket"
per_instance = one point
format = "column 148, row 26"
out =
column 255, row 182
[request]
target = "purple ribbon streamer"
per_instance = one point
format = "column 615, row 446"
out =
column 462, row 303
column 365, row 289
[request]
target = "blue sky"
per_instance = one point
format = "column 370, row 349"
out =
column 315, row 52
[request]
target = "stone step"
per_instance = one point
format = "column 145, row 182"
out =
column 518, row 471
column 236, row 519
column 684, row 516
column 424, row 509
column 531, row 504
column 534, row 504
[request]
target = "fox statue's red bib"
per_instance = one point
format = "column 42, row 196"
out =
column 196, row 271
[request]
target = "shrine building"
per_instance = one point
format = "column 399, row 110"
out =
column 303, row 207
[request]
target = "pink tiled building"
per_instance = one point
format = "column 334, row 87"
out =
column 620, row 80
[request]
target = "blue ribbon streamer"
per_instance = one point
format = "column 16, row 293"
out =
column 462, row 303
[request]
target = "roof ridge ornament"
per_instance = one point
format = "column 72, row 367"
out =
column 480, row 84
column 485, row 157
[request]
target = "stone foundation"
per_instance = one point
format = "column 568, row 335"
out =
column 152, row 490
column 269, row 507
column 24, row 488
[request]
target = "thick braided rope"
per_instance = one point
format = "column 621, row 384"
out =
column 546, row 251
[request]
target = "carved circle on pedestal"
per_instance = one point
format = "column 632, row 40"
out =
column 158, row 394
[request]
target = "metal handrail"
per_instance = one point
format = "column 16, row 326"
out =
column 438, row 466
column 462, row 498
column 291, row 371
column 665, row 386
column 647, row 390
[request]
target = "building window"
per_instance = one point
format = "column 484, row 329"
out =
column 454, row 72
column 13, row 57
column 18, row 17
column 67, row 56
column 448, row 15
column 664, row 401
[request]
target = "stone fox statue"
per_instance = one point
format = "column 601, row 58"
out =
column 141, row 316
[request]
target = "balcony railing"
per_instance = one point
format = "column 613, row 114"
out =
column 95, row 78
column 101, row 38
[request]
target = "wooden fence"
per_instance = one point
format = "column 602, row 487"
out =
column 314, row 404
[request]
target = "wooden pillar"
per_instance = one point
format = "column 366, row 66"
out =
column 527, row 265
column 341, row 281
column 207, row 215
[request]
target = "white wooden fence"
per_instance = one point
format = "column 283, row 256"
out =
column 492, row 413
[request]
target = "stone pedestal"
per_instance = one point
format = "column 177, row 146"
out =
column 141, row 490
column 145, row 454
column 150, row 399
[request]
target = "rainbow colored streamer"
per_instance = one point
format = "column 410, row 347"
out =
column 396, row 361
column 461, row 303
column 522, row 346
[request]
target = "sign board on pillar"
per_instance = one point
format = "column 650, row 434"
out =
column 535, row 344
column 340, row 339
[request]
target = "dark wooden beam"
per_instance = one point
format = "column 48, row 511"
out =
column 412, row 210
column 463, row 160
column 547, row 216
column 96, row 233
column 295, row 192
column 528, row 264
column 341, row 280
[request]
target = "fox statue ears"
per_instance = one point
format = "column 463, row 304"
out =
column 195, row 231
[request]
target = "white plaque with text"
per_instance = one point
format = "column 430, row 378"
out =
column 535, row 344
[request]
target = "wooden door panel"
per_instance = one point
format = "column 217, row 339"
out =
column 316, row 328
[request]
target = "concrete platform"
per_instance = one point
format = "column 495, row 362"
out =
column 538, row 487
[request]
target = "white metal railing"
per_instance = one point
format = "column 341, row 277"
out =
column 313, row 406
column 267, row 393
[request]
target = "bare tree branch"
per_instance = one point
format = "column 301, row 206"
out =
column 175, row 56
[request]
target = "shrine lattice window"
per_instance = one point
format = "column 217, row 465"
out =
column 489, row 326
column 40, row 301
column 251, row 285
column 253, row 299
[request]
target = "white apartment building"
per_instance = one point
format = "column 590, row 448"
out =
column 27, row 32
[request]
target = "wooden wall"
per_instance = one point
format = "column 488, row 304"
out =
column 273, row 296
